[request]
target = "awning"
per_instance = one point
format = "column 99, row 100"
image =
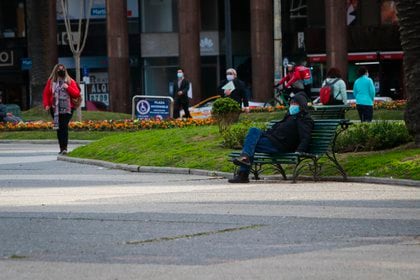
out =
column 361, row 56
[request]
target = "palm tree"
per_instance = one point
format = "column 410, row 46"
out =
column 42, row 44
column 409, row 20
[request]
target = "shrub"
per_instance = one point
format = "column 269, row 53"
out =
column 226, row 112
column 373, row 136
column 234, row 136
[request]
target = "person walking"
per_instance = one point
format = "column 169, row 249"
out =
column 291, row 134
column 58, row 95
column 364, row 92
column 337, row 85
column 181, row 87
column 234, row 88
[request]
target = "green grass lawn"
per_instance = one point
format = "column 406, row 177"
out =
column 38, row 113
column 200, row 147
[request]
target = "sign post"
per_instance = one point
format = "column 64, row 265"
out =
column 152, row 107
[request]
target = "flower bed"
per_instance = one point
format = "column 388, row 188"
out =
column 108, row 125
column 393, row 105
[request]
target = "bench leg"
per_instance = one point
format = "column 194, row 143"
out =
column 280, row 169
column 337, row 165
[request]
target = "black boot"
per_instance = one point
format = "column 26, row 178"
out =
column 241, row 177
column 242, row 160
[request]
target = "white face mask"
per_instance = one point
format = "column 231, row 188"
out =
column 230, row 77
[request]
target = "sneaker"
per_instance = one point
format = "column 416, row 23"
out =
column 63, row 153
column 240, row 178
column 242, row 161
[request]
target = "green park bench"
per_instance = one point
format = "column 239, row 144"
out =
column 328, row 111
column 322, row 145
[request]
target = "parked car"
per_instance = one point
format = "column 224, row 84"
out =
column 202, row 110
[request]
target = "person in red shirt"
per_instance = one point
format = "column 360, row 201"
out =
column 57, row 99
column 298, row 79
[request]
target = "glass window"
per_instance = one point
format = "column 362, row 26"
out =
column 159, row 16
column 209, row 17
column 12, row 19
column 159, row 74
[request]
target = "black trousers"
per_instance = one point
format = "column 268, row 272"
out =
column 184, row 105
column 63, row 129
column 365, row 112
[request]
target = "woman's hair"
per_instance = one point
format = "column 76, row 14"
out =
column 334, row 73
column 361, row 71
column 233, row 71
column 54, row 76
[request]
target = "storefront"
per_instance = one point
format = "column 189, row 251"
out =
column 385, row 69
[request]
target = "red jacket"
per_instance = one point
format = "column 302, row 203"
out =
column 300, row 73
column 48, row 96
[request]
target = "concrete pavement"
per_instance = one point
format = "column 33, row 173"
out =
column 62, row 220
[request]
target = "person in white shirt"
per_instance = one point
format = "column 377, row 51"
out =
column 338, row 88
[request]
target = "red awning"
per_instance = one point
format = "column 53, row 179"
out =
column 362, row 56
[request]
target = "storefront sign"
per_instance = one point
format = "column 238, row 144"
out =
column 152, row 107
column 99, row 90
column 26, row 63
column 6, row 58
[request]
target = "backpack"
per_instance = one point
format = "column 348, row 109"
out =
column 305, row 75
column 326, row 93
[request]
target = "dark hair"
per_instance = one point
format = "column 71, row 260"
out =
column 361, row 71
column 334, row 73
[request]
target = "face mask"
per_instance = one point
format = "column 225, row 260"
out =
column 179, row 75
column 229, row 77
column 294, row 109
column 61, row 73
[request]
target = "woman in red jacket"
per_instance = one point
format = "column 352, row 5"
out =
column 57, row 99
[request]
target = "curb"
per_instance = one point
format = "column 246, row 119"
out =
column 200, row 172
column 5, row 141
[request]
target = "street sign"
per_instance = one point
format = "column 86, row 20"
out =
column 285, row 62
column 152, row 107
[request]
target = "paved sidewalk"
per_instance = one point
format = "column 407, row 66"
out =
column 63, row 220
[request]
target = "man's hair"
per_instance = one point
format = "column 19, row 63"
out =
column 361, row 71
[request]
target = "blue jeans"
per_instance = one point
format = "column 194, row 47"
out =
column 256, row 142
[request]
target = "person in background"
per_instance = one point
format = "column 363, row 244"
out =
column 291, row 134
column 181, row 87
column 238, row 93
column 6, row 116
column 338, row 86
column 57, row 99
column 298, row 78
column 364, row 92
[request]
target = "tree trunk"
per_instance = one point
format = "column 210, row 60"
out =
column 42, row 44
column 409, row 20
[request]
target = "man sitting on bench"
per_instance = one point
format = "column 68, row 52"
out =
column 292, row 133
column 7, row 116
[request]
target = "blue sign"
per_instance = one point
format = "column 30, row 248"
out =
column 98, row 12
column 26, row 63
column 152, row 107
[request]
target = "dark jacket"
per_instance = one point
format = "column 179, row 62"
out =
column 238, row 94
column 293, row 133
column 3, row 111
column 185, row 86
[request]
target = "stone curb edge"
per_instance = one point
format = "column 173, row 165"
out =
column 200, row 172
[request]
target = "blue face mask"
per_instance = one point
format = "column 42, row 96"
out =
column 230, row 77
column 294, row 109
column 179, row 75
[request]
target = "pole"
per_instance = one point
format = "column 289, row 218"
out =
column 228, row 35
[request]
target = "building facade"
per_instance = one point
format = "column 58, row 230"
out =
column 155, row 29
column 372, row 41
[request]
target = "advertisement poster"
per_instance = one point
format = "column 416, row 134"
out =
column 388, row 12
column 99, row 90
